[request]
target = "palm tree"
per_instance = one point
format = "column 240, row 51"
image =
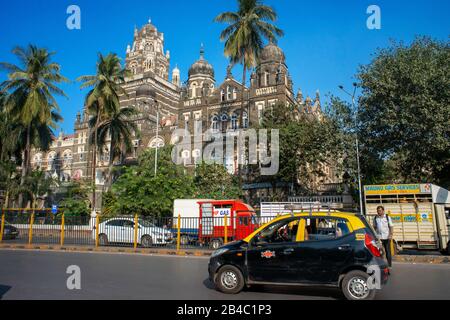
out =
column 102, row 99
column 118, row 127
column 244, row 36
column 31, row 89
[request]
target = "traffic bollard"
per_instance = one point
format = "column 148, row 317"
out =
column 135, row 231
column 97, row 220
column 62, row 229
column 2, row 227
column 179, row 232
column 225, row 223
column 30, row 231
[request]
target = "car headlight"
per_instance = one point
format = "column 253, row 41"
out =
column 219, row 252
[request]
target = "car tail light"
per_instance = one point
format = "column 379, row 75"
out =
column 372, row 245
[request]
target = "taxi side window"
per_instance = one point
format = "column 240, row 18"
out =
column 317, row 229
column 280, row 232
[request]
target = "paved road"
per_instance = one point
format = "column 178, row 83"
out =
column 42, row 275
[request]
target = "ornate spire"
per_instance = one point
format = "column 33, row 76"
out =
column 229, row 74
column 202, row 52
column 300, row 96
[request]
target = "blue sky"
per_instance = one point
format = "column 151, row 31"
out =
column 325, row 40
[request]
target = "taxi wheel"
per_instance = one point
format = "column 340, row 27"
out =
column 355, row 286
column 229, row 280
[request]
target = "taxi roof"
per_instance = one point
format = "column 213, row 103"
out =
column 353, row 218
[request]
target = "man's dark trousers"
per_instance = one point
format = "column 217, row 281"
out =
column 387, row 249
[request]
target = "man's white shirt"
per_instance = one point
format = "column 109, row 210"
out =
column 383, row 224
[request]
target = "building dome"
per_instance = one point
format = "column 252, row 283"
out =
column 201, row 66
column 272, row 52
column 145, row 91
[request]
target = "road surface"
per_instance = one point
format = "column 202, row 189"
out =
column 42, row 275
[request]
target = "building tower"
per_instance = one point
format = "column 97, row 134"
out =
column 201, row 77
column 176, row 76
column 147, row 53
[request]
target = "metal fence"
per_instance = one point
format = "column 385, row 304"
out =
column 65, row 229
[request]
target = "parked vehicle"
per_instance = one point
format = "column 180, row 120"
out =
column 420, row 213
column 203, row 221
column 10, row 232
column 318, row 249
column 121, row 230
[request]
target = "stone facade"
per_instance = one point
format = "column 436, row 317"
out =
column 177, row 105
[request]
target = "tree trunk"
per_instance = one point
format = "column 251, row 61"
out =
column 94, row 162
column 25, row 163
column 242, row 117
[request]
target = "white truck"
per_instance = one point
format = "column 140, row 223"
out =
column 420, row 213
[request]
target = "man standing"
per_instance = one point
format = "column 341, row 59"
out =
column 385, row 230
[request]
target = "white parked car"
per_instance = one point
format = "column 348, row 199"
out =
column 121, row 230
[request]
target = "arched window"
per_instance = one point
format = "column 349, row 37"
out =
column 51, row 160
column 149, row 47
column 228, row 93
column 245, row 120
column 222, row 95
column 234, row 93
column 67, row 157
column 194, row 89
column 215, row 123
column 224, row 119
column 38, row 160
column 148, row 64
column 234, row 122
column 133, row 68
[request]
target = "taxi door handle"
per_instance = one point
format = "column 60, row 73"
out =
column 344, row 247
column 288, row 251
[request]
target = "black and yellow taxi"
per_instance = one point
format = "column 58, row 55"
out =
column 334, row 249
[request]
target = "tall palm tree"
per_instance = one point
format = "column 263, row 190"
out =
column 118, row 127
column 102, row 99
column 244, row 38
column 245, row 34
column 31, row 88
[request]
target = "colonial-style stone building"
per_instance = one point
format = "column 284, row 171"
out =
column 176, row 104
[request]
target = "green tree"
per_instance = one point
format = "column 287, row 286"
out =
column 37, row 186
column 139, row 191
column 307, row 145
column 9, row 180
column 31, row 88
column 212, row 181
column 76, row 201
column 102, row 100
column 405, row 110
column 117, row 126
column 244, row 37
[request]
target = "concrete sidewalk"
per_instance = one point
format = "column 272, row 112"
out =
column 431, row 259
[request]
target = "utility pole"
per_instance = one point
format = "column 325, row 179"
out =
column 355, row 107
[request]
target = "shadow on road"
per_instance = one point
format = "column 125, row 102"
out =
column 331, row 293
column 3, row 290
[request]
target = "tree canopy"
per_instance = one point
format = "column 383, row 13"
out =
column 405, row 112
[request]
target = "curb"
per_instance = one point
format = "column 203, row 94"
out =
column 189, row 252
column 156, row 251
column 422, row 259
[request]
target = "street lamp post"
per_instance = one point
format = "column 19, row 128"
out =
column 356, row 108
